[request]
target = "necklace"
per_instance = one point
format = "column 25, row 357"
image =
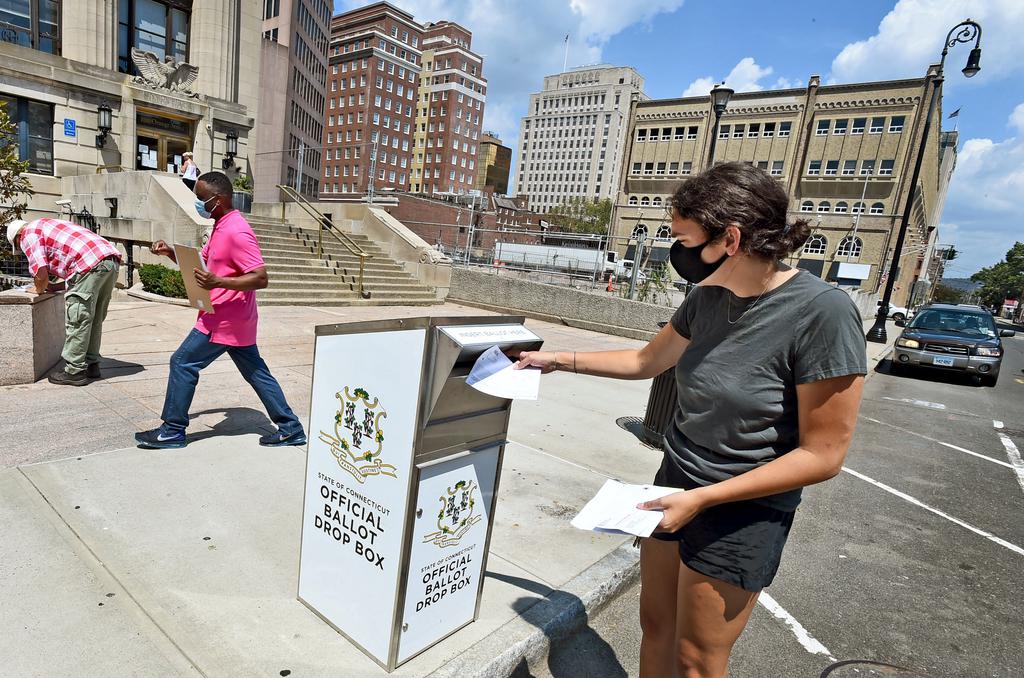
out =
column 728, row 313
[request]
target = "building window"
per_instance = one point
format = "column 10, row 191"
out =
column 849, row 168
column 633, row 200
column 31, row 23
column 769, row 129
column 157, row 26
column 33, row 122
column 723, row 132
column 641, row 136
column 823, row 127
column 661, row 168
column 686, row 168
column 639, row 232
column 816, row 244
column 824, row 206
column 649, row 168
column 754, row 131
column 858, row 208
column 841, row 208
column 877, row 125
column 691, row 133
column 858, row 125
column 656, row 203
column 840, row 127
column 886, row 168
column 664, row 232
column 867, row 167
column 737, row 131
column 814, row 167
column 807, row 206
column 850, row 246
column 645, row 201
column 896, row 124
column 784, row 128
column 831, row 168
column 777, row 168
column 877, row 208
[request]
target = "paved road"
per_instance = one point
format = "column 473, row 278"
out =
column 912, row 557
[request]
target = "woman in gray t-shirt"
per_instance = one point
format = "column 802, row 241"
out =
column 769, row 364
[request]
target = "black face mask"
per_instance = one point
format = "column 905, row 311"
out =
column 688, row 264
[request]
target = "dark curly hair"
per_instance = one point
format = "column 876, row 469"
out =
column 741, row 194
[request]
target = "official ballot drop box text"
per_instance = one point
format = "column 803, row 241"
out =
column 401, row 478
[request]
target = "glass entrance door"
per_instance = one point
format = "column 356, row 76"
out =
column 174, row 148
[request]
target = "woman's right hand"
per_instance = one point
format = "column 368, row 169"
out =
column 546, row 361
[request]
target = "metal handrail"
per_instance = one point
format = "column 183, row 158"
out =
column 324, row 223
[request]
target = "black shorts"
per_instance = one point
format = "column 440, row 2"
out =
column 739, row 543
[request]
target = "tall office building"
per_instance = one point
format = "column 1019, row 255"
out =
column 293, row 75
column 493, row 162
column 572, row 138
column 450, row 111
column 373, row 74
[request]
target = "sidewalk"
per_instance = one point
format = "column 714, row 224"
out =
column 185, row 562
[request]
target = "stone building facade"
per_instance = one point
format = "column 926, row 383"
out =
column 61, row 73
column 844, row 153
column 293, row 77
column 572, row 139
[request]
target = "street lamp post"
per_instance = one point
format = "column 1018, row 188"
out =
column 720, row 96
column 965, row 31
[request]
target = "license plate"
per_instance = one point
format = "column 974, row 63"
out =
column 942, row 361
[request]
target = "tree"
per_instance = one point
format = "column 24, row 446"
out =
column 944, row 294
column 579, row 215
column 15, row 189
column 1003, row 280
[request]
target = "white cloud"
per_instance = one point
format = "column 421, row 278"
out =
column 744, row 77
column 524, row 41
column 982, row 207
column 909, row 38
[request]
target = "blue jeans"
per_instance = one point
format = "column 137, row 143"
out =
column 195, row 353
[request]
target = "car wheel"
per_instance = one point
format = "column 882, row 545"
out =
column 899, row 317
column 989, row 380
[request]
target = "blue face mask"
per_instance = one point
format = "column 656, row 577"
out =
column 201, row 208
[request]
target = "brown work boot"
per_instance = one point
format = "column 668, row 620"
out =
column 62, row 378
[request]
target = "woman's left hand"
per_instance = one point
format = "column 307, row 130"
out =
column 679, row 509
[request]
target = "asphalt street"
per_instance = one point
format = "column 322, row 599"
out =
column 908, row 563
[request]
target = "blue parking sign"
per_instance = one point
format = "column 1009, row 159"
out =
column 69, row 127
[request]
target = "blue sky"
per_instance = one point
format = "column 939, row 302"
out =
column 683, row 45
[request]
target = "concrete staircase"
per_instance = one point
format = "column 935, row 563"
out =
column 298, row 277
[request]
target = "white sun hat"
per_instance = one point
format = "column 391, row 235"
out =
column 14, row 228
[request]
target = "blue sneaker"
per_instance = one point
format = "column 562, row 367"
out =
column 278, row 439
column 159, row 439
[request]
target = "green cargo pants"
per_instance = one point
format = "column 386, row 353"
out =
column 85, row 303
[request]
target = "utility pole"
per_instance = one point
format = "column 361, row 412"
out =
column 373, row 170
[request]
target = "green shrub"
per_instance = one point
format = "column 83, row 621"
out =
column 159, row 279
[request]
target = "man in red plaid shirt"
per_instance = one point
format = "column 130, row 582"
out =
column 88, row 265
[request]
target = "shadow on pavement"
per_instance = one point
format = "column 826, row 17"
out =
column 112, row 367
column 561, row 616
column 237, row 421
column 928, row 374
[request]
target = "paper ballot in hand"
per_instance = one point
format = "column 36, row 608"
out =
column 613, row 509
column 494, row 374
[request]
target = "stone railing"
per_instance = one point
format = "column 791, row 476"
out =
column 32, row 334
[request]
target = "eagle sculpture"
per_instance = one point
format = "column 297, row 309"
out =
column 166, row 74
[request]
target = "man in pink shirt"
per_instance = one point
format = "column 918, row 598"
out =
column 235, row 271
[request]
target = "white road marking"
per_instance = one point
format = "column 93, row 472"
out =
column 918, row 403
column 809, row 642
column 939, row 442
column 1012, row 453
column 917, row 502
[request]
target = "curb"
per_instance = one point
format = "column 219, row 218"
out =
column 561, row 613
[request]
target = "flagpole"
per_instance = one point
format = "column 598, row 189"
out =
column 565, row 61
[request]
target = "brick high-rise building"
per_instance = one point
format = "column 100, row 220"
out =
column 410, row 95
column 450, row 111
column 373, row 75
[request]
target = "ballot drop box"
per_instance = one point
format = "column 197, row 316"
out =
column 401, row 478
